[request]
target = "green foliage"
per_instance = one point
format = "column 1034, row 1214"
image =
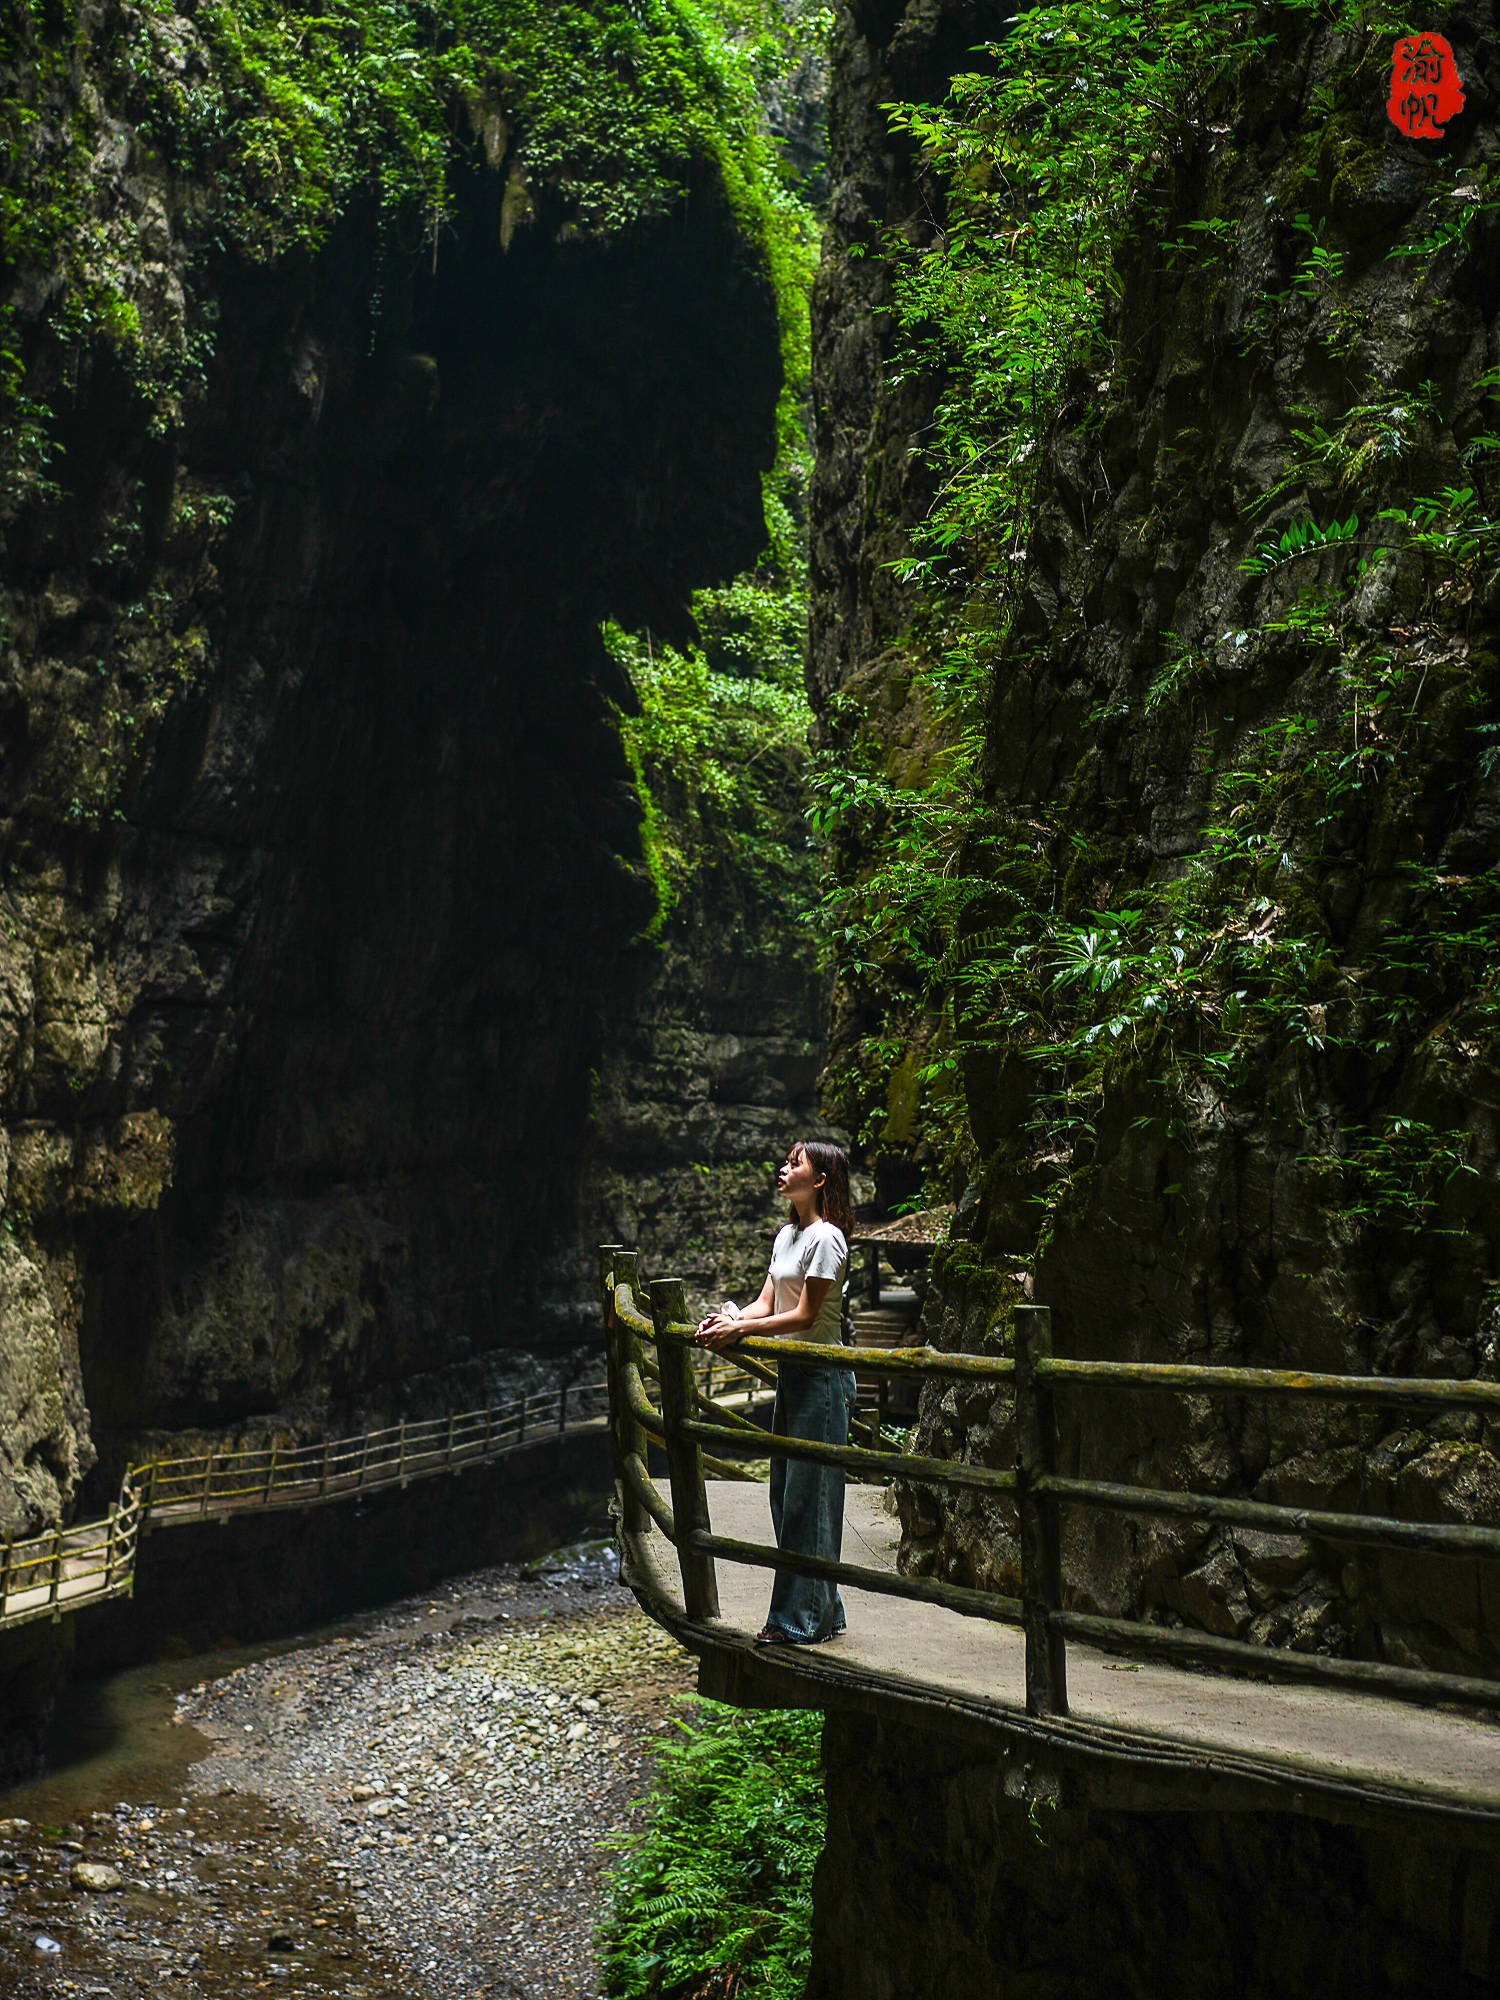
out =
column 715, row 1896
column 280, row 119
column 719, row 748
column 720, row 757
column 1394, row 1176
column 1047, row 165
column 974, row 933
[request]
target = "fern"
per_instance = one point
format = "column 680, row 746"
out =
column 714, row 1896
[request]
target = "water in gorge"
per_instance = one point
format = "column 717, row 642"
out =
column 415, row 1802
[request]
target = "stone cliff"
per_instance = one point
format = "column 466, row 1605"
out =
column 320, row 851
column 1228, row 1082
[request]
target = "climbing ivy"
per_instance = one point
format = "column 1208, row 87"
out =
column 715, row 1895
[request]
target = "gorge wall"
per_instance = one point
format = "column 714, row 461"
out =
column 1228, row 1084
column 321, row 856
column 936, row 1881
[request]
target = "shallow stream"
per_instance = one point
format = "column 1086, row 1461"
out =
column 415, row 1803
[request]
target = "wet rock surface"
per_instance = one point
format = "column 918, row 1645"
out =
column 419, row 1804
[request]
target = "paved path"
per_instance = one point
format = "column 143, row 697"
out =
column 1324, row 1733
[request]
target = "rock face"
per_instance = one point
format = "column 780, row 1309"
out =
column 1324, row 1197
column 321, row 854
column 935, row 1885
column 711, row 1074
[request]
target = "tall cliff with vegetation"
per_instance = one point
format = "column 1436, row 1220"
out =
column 1155, row 649
column 359, row 366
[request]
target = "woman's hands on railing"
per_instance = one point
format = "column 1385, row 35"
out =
column 721, row 1328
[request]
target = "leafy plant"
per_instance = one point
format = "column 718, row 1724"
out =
column 714, row 1897
column 1026, row 940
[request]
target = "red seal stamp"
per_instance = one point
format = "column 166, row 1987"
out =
column 1426, row 89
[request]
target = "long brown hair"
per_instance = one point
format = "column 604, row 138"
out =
column 835, row 1202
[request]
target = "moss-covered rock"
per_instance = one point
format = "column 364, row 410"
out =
column 1220, row 1052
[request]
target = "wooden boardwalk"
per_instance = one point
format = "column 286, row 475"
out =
column 50, row 1575
column 1118, row 1712
column 1334, row 1745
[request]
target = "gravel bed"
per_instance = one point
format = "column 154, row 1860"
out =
column 421, row 1807
column 465, row 1768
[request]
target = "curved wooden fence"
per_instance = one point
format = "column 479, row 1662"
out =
column 44, row 1576
column 687, row 1422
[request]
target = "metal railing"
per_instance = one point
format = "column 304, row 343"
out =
column 268, row 1476
column 686, row 1422
column 44, row 1576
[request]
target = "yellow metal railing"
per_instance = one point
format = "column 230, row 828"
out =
column 47, row 1575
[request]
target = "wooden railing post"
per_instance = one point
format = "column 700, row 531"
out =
column 1041, row 1559
column 7, row 1570
column 271, row 1474
column 323, row 1480
column 624, row 1348
column 109, row 1549
column 700, row 1584
column 57, row 1574
column 208, row 1480
column 448, row 1454
column 562, row 1409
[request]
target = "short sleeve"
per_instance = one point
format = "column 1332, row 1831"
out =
column 830, row 1253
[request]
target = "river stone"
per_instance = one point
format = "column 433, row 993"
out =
column 96, row 1876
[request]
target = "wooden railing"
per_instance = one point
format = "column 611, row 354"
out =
column 44, row 1576
column 1034, row 1377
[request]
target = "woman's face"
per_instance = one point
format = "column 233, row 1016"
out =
column 796, row 1180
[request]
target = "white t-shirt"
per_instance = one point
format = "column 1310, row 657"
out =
column 818, row 1251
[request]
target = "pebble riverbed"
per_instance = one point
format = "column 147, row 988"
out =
column 422, row 1807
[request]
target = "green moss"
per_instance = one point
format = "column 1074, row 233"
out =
column 274, row 121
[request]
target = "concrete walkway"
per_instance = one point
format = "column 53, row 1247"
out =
column 1328, row 1734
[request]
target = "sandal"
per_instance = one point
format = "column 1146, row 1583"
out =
column 772, row 1635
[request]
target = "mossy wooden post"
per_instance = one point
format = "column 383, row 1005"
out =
column 700, row 1585
column 629, row 1437
column 1041, row 1562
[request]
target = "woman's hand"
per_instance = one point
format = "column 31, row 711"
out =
column 718, row 1329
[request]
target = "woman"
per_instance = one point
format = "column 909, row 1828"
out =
column 802, row 1299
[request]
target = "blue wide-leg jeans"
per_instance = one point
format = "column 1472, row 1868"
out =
column 807, row 1501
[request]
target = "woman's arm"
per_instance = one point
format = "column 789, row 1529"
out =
column 719, row 1331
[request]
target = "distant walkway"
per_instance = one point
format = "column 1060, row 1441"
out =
column 44, row 1576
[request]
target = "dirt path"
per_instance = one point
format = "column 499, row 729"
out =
column 418, row 1808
